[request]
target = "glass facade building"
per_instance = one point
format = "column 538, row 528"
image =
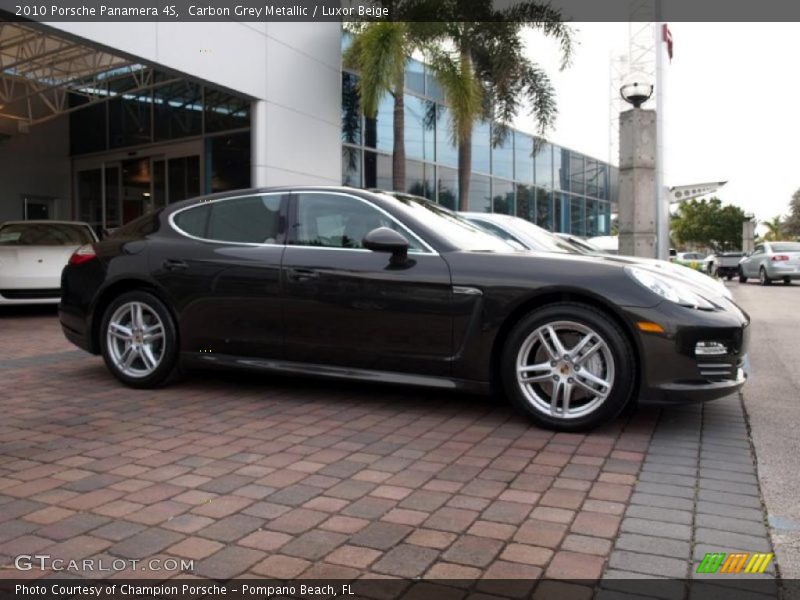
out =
column 554, row 187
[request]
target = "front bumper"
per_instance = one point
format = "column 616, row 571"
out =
column 670, row 370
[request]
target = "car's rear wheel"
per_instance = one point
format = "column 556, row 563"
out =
column 139, row 340
column 569, row 367
column 742, row 276
column 787, row 281
column 762, row 277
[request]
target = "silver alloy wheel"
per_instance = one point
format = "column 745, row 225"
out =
column 565, row 369
column 135, row 339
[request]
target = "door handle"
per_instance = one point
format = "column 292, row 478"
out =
column 174, row 265
column 302, row 274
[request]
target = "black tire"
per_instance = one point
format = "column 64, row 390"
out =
column 167, row 369
column 729, row 276
column 742, row 277
column 787, row 281
column 619, row 350
column 762, row 277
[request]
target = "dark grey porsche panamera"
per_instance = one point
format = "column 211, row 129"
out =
column 348, row 283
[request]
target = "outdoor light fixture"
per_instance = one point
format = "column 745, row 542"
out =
column 636, row 93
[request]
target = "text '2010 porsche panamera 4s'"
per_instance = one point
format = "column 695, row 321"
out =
column 346, row 283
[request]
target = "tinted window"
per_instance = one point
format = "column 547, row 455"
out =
column 44, row 234
column 249, row 220
column 333, row 221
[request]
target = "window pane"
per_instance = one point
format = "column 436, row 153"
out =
column 183, row 175
column 448, row 187
column 339, row 222
column 544, row 209
column 503, row 158
column 591, row 218
column 419, row 179
column 91, row 122
column 432, row 88
column 577, row 216
column 224, row 111
column 420, row 118
column 604, row 219
column 129, row 120
column 480, row 199
column 230, row 161
column 561, row 214
column 415, row 76
column 543, row 163
column 446, row 152
column 525, row 203
column 351, row 166
column 377, row 171
column 523, row 157
column 194, row 220
column 502, row 197
column 351, row 116
column 577, row 174
column 560, row 168
column 177, row 110
column 379, row 132
column 481, row 150
column 254, row 219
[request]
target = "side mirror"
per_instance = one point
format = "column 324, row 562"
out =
column 384, row 239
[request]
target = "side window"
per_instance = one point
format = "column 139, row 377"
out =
column 248, row 220
column 334, row 221
column 193, row 221
column 758, row 250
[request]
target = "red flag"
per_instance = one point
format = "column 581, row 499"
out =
column 666, row 36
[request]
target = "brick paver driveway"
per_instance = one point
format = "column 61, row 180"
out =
column 283, row 478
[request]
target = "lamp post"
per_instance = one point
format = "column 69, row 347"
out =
column 638, row 220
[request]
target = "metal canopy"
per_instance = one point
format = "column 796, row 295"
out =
column 40, row 70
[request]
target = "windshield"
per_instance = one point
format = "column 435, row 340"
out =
column 786, row 247
column 44, row 234
column 458, row 231
column 543, row 239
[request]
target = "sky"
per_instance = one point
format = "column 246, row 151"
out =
column 730, row 111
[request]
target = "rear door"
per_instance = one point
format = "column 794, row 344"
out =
column 348, row 306
column 222, row 271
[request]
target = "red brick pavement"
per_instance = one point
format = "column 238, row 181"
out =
column 276, row 477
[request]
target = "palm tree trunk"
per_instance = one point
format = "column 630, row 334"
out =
column 399, row 149
column 464, row 170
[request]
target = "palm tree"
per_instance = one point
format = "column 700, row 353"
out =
column 379, row 52
column 481, row 63
column 774, row 229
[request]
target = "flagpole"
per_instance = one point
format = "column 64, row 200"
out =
column 661, row 200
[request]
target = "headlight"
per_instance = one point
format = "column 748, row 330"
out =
column 669, row 289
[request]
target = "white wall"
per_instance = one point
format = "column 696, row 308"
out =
column 35, row 163
column 294, row 67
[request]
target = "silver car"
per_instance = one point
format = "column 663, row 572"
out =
column 770, row 261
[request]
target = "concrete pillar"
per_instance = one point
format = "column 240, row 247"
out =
column 748, row 235
column 258, row 143
column 637, row 183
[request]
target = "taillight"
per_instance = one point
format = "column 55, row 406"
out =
column 83, row 254
column 779, row 258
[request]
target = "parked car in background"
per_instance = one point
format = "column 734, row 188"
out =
column 606, row 243
column 346, row 283
column 532, row 237
column 771, row 261
column 32, row 255
column 723, row 264
column 583, row 246
column 693, row 260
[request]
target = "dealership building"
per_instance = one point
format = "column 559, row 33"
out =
column 102, row 122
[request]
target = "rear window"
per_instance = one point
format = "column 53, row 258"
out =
column 786, row 247
column 44, row 234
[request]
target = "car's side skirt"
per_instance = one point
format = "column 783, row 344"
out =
column 332, row 372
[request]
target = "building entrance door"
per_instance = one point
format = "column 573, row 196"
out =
column 112, row 190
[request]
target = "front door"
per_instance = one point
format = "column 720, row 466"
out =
column 348, row 306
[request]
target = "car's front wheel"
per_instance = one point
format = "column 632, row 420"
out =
column 569, row 367
column 742, row 276
column 762, row 277
column 138, row 340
